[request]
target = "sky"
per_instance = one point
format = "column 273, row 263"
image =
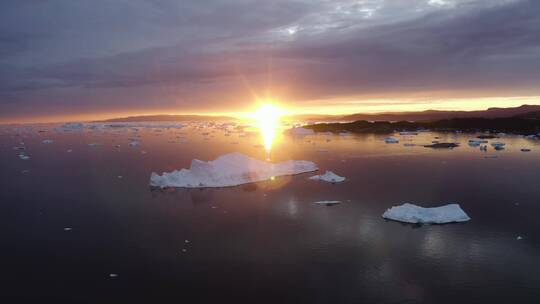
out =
column 68, row 60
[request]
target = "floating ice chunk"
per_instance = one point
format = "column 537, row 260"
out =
column 24, row 157
column 301, row 131
column 113, row 275
column 391, row 140
column 410, row 213
column 328, row 203
column 229, row 170
column 47, row 141
column 329, row 176
column 134, row 144
column 68, row 229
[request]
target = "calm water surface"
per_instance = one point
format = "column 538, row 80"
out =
column 264, row 242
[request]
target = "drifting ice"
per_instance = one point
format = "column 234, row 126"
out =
column 410, row 213
column 329, row 176
column 231, row 169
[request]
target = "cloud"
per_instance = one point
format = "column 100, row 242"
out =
column 216, row 48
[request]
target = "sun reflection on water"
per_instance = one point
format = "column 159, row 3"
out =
column 268, row 120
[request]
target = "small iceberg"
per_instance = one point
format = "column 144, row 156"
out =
column 391, row 140
column 301, row 131
column 228, row 170
column 47, row 141
column 329, row 176
column 24, row 157
column 328, row 203
column 409, row 213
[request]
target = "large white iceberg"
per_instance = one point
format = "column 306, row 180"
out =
column 329, row 176
column 410, row 213
column 229, row 170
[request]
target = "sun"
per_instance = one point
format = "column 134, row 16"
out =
column 268, row 117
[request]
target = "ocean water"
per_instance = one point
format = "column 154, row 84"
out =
column 71, row 219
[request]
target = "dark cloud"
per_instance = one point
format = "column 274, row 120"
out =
column 307, row 49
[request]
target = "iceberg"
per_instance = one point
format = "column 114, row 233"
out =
column 47, row 141
column 410, row 213
column 329, row 176
column 229, row 170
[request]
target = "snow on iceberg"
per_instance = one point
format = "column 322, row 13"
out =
column 410, row 213
column 329, row 176
column 228, row 170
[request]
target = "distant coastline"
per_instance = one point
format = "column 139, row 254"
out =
column 514, row 125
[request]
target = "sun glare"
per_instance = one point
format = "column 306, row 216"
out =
column 268, row 118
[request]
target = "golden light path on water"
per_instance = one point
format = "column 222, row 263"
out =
column 268, row 121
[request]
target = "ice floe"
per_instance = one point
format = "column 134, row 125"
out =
column 410, row 213
column 229, row 170
column 47, row 141
column 329, row 176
